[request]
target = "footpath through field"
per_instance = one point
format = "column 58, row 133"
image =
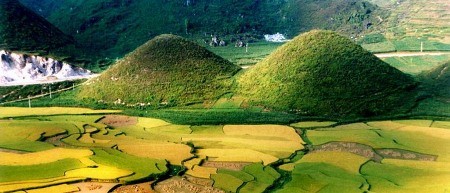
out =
column 406, row 54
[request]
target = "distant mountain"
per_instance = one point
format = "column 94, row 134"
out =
column 113, row 28
column 23, row 30
column 166, row 71
column 323, row 73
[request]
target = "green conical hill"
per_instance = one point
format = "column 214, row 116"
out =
column 167, row 70
column 438, row 80
column 23, row 30
column 322, row 73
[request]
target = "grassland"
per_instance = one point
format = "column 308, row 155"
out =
column 417, row 64
column 409, row 24
column 242, row 56
column 176, row 72
column 322, row 73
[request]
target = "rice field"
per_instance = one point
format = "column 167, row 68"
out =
column 20, row 112
column 40, row 153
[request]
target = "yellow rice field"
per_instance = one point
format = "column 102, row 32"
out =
column 263, row 130
column 201, row 172
column 237, row 155
column 174, row 153
column 19, row 111
column 101, row 172
column 41, row 157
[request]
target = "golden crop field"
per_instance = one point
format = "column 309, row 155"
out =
column 20, row 112
column 273, row 131
column 202, row 172
column 174, row 153
column 41, row 157
column 411, row 153
column 29, row 184
column 237, row 155
column 100, row 172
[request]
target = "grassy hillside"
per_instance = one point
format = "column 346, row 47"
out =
column 348, row 17
column 438, row 80
column 409, row 24
column 168, row 70
column 22, row 30
column 123, row 25
column 323, row 73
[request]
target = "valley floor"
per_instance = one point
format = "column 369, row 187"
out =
column 53, row 149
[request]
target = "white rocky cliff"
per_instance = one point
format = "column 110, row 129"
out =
column 20, row 69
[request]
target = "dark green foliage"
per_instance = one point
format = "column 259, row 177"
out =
column 347, row 16
column 323, row 73
column 166, row 71
column 22, row 30
column 11, row 93
column 435, row 92
column 112, row 28
column 437, row 81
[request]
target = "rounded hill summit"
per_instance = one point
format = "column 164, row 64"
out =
column 167, row 70
column 323, row 73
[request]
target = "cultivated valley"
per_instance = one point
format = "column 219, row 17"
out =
column 157, row 96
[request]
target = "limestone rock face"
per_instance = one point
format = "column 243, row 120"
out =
column 16, row 68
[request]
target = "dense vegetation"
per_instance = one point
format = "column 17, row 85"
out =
column 166, row 71
column 438, row 80
column 23, row 30
column 112, row 28
column 323, row 73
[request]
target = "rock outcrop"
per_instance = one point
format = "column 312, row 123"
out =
column 18, row 68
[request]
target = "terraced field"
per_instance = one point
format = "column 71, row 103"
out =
column 382, row 156
column 52, row 153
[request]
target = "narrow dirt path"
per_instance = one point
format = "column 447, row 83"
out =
column 406, row 54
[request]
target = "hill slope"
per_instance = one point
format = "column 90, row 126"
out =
column 23, row 30
column 115, row 27
column 323, row 73
column 167, row 70
column 438, row 80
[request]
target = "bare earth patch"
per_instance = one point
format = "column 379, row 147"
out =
column 180, row 185
column 118, row 120
column 405, row 154
column 374, row 154
column 356, row 148
column 12, row 151
column 199, row 181
column 95, row 187
column 236, row 166
column 56, row 140
column 136, row 188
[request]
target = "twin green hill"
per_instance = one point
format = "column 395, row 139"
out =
column 166, row 71
column 319, row 73
column 323, row 73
